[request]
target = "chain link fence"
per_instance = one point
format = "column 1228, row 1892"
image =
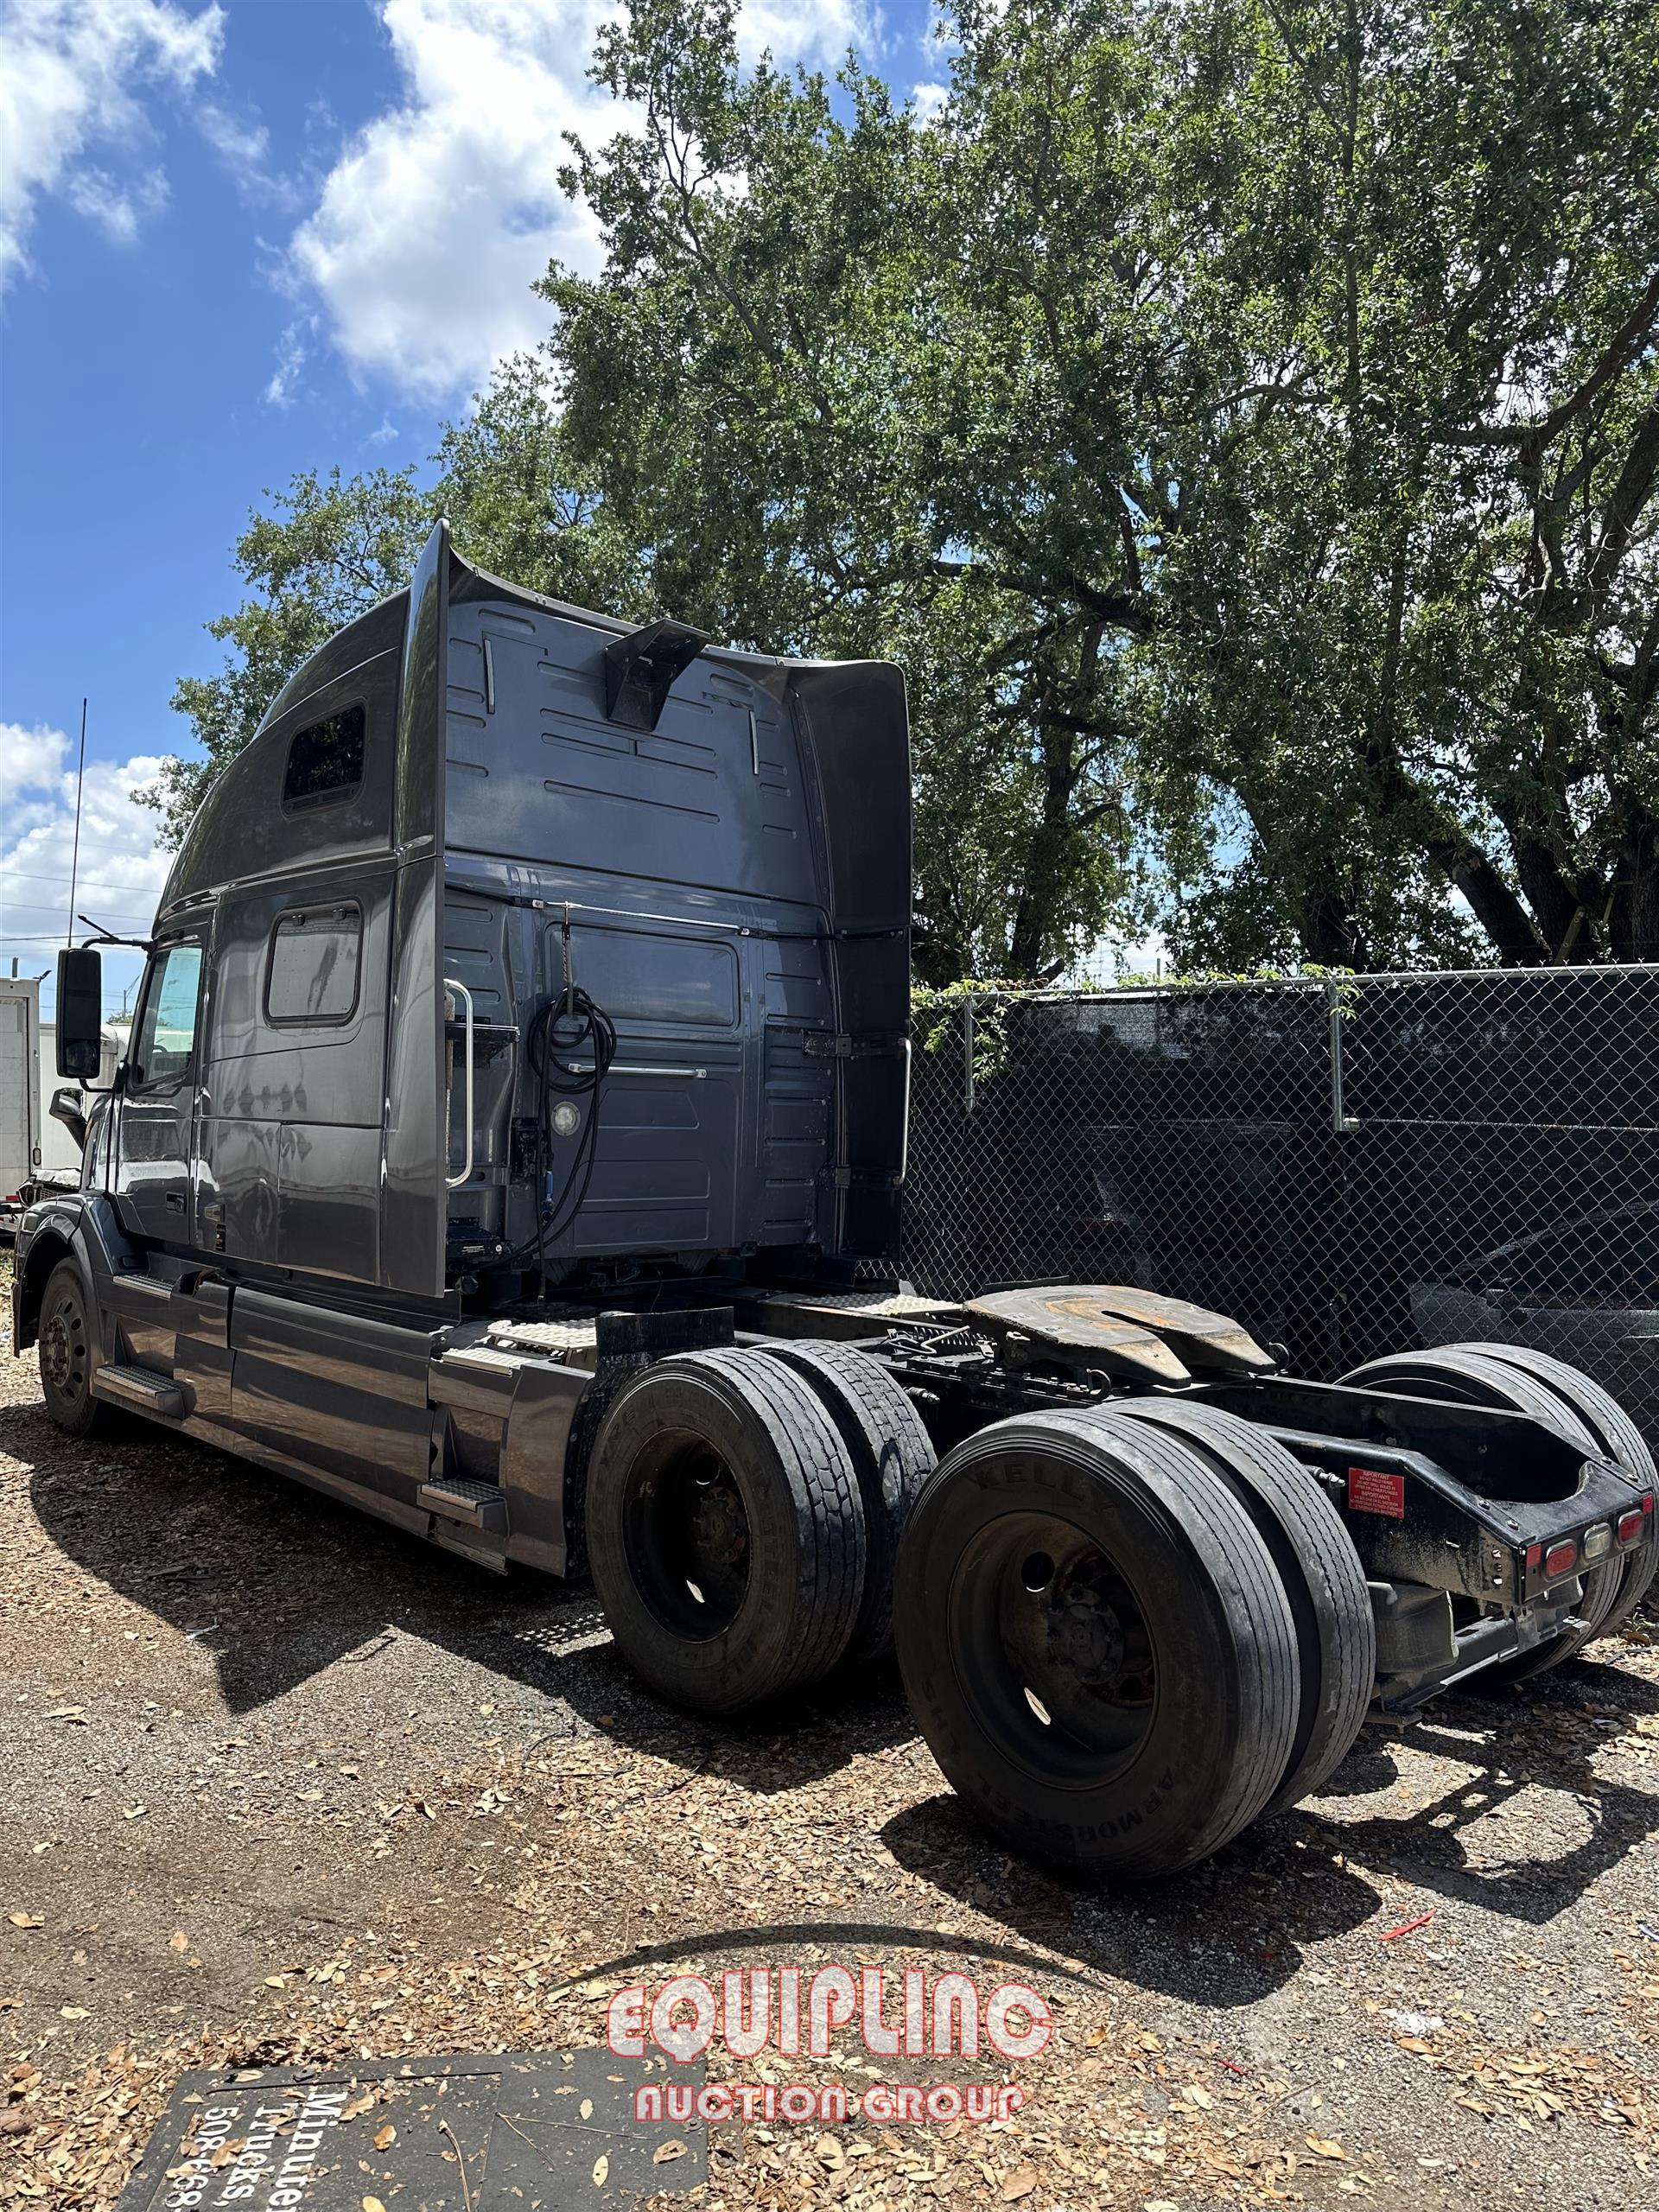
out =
column 1349, row 1167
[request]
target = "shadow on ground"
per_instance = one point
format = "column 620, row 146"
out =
column 1230, row 1932
column 279, row 1583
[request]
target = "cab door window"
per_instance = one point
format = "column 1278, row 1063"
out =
column 164, row 1045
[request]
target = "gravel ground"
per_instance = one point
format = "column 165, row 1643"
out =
column 284, row 1785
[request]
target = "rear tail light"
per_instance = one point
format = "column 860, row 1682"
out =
column 1561, row 1559
column 1631, row 1524
column 1598, row 1541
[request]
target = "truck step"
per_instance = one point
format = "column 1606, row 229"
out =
column 158, row 1395
column 463, row 1498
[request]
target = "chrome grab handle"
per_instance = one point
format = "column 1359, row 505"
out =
column 454, row 1182
column 634, row 1067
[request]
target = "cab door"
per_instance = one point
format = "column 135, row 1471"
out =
column 156, row 1122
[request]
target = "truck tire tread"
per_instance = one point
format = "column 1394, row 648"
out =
column 1617, row 1439
column 1472, row 1375
column 1336, row 1629
column 803, row 1505
column 893, row 1456
column 1209, row 1578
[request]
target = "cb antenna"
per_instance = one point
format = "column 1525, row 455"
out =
column 75, row 857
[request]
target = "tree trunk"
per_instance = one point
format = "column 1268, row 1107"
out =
column 1034, row 937
column 1633, row 920
column 1329, row 929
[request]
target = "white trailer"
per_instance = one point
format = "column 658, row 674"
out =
column 60, row 1152
column 20, row 1082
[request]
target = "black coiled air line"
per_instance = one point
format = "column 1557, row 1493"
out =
column 569, row 1045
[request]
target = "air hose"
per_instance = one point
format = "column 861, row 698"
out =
column 569, row 1045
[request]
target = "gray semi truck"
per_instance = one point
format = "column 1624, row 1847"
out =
column 516, row 1099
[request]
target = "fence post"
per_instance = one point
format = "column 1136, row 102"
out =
column 1340, row 1119
column 968, row 1054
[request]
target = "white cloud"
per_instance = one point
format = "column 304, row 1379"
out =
column 244, row 145
column 439, row 216
column 817, row 32
column 929, row 99
column 121, row 869
column 118, row 209
column 29, row 760
column 69, row 73
column 292, row 352
column 438, row 219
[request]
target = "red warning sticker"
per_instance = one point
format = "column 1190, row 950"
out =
column 1369, row 1491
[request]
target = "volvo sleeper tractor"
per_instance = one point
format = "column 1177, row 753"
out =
column 511, row 1140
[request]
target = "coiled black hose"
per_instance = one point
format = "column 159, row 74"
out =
column 569, row 1045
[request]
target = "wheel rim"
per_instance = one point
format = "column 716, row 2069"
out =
column 686, row 1530
column 64, row 1351
column 1054, row 1650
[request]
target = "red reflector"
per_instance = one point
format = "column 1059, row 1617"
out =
column 1647, row 1502
column 1369, row 1491
column 1560, row 1559
column 1630, row 1525
column 1534, row 1554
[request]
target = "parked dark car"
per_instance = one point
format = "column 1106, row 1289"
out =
column 1586, row 1290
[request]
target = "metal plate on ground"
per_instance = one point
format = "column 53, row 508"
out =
column 538, row 2132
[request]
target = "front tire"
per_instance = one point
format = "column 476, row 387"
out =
column 1096, row 1644
column 67, row 1364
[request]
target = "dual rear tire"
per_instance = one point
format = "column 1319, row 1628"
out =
column 1127, row 1633
column 743, row 1511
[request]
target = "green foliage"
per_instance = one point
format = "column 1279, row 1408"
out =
column 1240, row 418
column 1249, row 408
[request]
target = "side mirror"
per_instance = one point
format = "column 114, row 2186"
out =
column 81, row 1012
column 66, row 1107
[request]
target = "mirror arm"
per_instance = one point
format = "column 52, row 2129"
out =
column 101, row 936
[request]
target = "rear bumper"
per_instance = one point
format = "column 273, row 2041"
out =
column 1476, row 1502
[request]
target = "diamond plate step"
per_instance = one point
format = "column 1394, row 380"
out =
column 136, row 1387
column 462, row 1497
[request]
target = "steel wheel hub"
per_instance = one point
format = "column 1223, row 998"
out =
column 688, row 1536
column 1053, row 1650
column 58, row 1352
column 720, row 1531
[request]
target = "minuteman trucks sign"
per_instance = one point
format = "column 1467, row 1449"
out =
column 514, row 2131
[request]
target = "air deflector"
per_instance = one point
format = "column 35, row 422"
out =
column 641, row 669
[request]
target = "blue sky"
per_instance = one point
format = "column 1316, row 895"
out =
column 236, row 241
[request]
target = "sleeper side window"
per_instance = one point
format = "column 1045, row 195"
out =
column 325, row 759
column 164, row 1045
column 312, row 976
